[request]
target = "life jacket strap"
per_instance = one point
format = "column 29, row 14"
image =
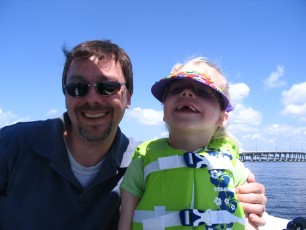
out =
column 197, row 217
column 186, row 217
column 189, row 159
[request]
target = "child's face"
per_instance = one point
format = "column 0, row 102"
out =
column 190, row 105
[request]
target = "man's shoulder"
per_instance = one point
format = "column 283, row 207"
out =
column 39, row 132
column 30, row 127
column 41, row 137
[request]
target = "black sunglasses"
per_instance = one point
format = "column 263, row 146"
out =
column 103, row 88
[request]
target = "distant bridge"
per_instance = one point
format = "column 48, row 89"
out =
column 272, row 156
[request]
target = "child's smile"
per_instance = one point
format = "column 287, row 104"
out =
column 186, row 108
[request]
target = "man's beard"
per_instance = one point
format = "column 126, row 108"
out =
column 95, row 138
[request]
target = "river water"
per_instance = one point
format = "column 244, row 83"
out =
column 285, row 184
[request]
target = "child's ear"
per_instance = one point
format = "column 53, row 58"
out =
column 223, row 119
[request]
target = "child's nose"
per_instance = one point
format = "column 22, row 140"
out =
column 187, row 92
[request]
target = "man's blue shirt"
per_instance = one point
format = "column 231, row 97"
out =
column 38, row 189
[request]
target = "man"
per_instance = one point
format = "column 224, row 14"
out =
column 64, row 173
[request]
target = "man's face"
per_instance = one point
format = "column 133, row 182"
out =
column 96, row 117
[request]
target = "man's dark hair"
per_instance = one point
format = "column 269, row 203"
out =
column 103, row 50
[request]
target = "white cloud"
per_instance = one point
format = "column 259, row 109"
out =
column 273, row 81
column 52, row 113
column 295, row 95
column 280, row 137
column 242, row 114
column 238, row 92
column 164, row 134
column 284, row 134
column 146, row 116
column 280, row 130
column 244, row 120
column 244, row 125
column 245, row 115
column 294, row 100
column 8, row 118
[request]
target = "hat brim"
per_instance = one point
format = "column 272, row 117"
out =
column 159, row 88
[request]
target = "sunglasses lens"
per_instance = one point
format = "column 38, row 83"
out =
column 77, row 89
column 103, row 88
column 108, row 88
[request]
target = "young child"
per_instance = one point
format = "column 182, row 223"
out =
column 187, row 181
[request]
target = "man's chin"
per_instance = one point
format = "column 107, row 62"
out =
column 95, row 137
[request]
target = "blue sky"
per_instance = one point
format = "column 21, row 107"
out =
column 259, row 45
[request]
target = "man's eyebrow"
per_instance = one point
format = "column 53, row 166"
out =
column 75, row 77
column 108, row 77
column 101, row 77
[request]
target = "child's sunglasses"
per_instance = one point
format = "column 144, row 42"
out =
column 103, row 88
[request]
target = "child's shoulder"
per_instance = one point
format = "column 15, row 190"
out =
column 153, row 143
column 223, row 143
column 150, row 145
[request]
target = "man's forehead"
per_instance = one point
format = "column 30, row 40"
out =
column 103, row 63
column 84, row 68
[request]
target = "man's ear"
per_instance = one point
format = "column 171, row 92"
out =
column 223, row 119
column 129, row 98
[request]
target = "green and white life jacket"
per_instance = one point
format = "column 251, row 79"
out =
column 189, row 190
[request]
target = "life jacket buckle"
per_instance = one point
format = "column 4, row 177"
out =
column 194, row 160
column 195, row 217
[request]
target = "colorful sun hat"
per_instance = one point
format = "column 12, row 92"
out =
column 159, row 88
